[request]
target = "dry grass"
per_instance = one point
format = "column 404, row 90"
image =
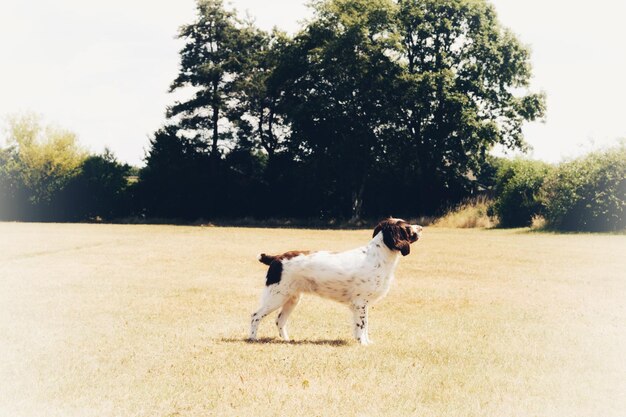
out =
column 471, row 213
column 101, row 320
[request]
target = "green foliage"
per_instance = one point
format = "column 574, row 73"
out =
column 44, row 158
column 175, row 180
column 99, row 190
column 212, row 62
column 46, row 175
column 419, row 88
column 339, row 91
column 588, row 194
column 11, row 192
column 258, row 94
column 517, row 188
column 384, row 106
column 461, row 70
column 178, row 175
column 366, row 94
column 37, row 164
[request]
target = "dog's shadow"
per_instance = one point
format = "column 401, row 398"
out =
column 269, row 340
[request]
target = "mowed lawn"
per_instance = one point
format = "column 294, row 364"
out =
column 114, row 320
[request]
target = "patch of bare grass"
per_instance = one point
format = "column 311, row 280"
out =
column 469, row 214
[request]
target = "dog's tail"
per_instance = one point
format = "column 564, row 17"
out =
column 266, row 259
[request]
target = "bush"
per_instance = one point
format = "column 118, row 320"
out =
column 35, row 167
column 97, row 191
column 517, row 189
column 12, row 196
column 588, row 194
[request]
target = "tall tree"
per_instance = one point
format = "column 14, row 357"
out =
column 462, row 79
column 211, row 63
column 338, row 75
column 416, row 91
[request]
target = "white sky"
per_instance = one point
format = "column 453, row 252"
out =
column 102, row 69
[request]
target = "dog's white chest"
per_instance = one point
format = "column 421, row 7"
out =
column 377, row 279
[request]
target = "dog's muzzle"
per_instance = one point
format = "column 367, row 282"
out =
column 417, row 232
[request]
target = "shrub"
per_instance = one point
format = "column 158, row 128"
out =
column 518, row 183
column 97, row 191
column 588, row 194
column 37, row 164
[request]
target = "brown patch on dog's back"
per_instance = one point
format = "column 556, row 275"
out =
column 268, row 259
column 293, row 254
column 276, row 265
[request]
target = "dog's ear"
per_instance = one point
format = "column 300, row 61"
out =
column 397, row 239
column 404, row 247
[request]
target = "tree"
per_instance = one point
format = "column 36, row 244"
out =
column 38, row 163
column 338, row 79
column 405, row 98
column 461, row 74
column 211, row 63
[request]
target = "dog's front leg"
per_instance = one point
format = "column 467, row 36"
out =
column 359, row 321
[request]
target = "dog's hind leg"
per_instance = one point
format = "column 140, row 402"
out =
column 273, row 298
column 281, row 320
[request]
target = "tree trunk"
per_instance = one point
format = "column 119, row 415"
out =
column 215, row 120
column 357, row 202
column 270, row 133
column 214, row 160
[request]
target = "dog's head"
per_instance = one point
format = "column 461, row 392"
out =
column 398, row 234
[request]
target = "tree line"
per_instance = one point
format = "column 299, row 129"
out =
column 373, row 108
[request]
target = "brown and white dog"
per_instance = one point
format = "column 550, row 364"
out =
column 358, row 277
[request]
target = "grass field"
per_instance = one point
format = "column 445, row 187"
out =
column 105, row 320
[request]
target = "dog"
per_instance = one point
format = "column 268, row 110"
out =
column 357, row 277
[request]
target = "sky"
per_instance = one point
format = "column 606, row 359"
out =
column 102, row 69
